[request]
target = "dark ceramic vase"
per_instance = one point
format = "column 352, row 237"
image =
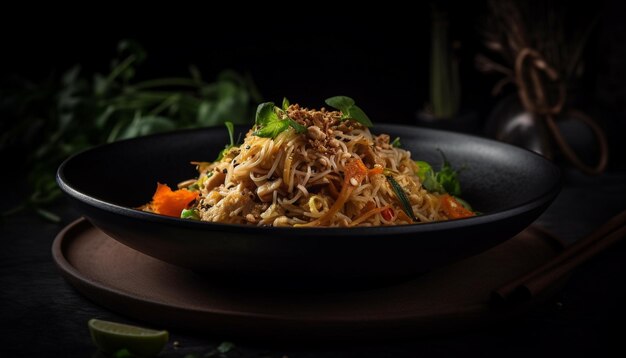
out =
column 510, row 122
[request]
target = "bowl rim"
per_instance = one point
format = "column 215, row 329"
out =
column 546, row 196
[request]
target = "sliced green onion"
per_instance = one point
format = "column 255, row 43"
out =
column 193, row 187
column 190, row 214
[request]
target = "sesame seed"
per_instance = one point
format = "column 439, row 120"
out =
column 354, row 182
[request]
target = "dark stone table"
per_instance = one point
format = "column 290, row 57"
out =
column 42, row 316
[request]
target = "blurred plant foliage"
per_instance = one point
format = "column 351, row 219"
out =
column 45, row 123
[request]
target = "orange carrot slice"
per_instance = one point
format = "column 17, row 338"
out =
column 453, row 209
column 171, row 203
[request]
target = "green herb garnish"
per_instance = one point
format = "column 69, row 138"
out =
column 271, row 120
column 428, row 178
column 78, row 109
column 444, row 181
column 285, row 103
column 406, row 204
column 396, row 143
column 349, row 110
column 189, row 214
column 231, row 131
column 193, row 187
column 448, row 177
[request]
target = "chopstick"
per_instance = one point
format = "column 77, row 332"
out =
column 528, row 286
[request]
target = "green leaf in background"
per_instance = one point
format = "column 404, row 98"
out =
column 225, row 347
column 49, row 121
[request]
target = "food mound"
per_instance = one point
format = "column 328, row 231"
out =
column 314, row 168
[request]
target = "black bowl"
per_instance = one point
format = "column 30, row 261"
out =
column 509, row 185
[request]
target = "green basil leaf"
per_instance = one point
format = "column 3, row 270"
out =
column 349, row 110
column 265, row 113
column 297, row 126
column 341, row 103
column 269, row 123
column 396, row 143
column 358, row 115
column 272, row 129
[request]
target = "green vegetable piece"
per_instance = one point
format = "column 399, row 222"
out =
column 358, row 115
column 189, row 214
column 423, row 168
column 297, row 126
column 427, row 177
column 231, row 130
column 272, row 129
column 444, row 181
column 265, row 113
column 269, row 124
column 406, row 204
column 431, row 184
column 285, row 103
column 396, row 143
column 349, row 110
column 448, row 177
column 341, row 103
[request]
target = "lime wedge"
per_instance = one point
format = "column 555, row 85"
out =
column 111, row 337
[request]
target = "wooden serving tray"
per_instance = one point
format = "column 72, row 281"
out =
column 449, row 299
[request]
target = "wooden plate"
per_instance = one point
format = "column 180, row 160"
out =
column 139, row 286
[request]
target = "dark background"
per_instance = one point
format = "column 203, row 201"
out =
column 380, row 59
